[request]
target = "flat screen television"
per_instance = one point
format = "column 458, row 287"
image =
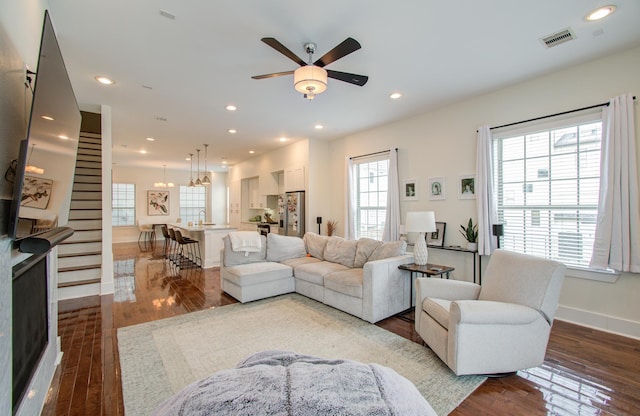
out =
column 46, row 162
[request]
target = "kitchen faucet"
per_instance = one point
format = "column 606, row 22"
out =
column 204, row 215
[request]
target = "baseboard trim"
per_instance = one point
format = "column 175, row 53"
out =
column 612, row 324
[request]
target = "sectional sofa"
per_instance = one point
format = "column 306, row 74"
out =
column 360, row 277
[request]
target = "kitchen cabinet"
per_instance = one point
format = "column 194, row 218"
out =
column 294, row 179
column 235, row 195
column 256, row 201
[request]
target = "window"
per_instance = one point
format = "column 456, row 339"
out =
column 371, row 181
column 123, row 204
column 192, row 201
column 548, row 180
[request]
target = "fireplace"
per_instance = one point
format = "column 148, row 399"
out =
column 30, row 327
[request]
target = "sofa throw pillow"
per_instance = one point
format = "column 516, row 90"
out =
column 315, row 244
column 366, row 247
column 390, row 249
column 236, row 258
column 341, row 251
column 280, row 247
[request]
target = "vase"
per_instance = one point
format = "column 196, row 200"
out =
column 472, row 246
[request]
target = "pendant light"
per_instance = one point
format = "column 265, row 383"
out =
column 198, row 181
column 205, row 180
column 164, row 183
column 191, row 184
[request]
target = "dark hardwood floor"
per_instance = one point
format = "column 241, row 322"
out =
column 586, row 372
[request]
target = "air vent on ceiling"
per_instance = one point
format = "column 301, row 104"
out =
column 557, row 38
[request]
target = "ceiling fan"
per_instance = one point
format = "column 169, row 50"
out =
column 311, row 78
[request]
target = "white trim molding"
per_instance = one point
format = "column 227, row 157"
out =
column 612, row 324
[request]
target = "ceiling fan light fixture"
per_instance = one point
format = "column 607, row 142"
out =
column 310, row 80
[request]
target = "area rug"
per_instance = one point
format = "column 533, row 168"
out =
column 159, row 358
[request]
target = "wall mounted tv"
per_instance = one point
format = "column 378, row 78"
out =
column 46, row 162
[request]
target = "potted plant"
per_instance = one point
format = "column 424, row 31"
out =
column 470, row 233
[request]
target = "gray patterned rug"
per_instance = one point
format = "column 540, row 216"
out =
column 159, row 358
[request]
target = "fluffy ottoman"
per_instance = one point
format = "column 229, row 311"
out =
column 285, row 383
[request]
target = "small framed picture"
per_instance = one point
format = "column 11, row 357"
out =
column 436, row 188
column 157, row 202
column 436, row 238
column 410, row 190
column 467, row 187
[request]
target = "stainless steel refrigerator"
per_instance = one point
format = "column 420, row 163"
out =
column 294, row 214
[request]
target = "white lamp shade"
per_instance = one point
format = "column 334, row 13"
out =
column 420, row 222
column 310, row 79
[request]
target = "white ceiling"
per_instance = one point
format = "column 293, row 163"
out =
column 434, row 52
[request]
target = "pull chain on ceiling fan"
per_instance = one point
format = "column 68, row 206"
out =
column 311, row 78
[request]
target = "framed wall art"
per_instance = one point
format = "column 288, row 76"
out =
column 410, row 190
column 467, row 187
column 436, row 238
column 36, row 192
column 436, row 188
column 157, row 202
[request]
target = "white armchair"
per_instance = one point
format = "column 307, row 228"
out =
column 499, row 327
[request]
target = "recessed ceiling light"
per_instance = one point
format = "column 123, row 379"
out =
column 187, row 158
column 150, row 139
column 105, row 80
column 252, row 151
column 63, row 137
column 319, row 126
column 232, row 131
column 46, row 117
column 144, row 152
column 600, row 13
column 231, row 107
column 224, row 162
column 283, row 139
column 395, row 95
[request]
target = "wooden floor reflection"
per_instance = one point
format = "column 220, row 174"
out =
column 586, row 372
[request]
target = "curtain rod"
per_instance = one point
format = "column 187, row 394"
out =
column 552, row 115
column 372, row 154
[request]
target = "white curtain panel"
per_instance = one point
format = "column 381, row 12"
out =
column 617, row 240
column 350, row 208
column 485, row 197
column 391, row 230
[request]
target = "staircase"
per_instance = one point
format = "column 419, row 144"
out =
column 80, row 256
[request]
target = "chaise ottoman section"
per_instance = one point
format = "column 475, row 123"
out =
column 252, row 281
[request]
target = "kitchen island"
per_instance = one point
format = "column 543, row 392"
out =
column 209, row 238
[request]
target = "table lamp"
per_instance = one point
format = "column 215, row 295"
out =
column 420, row 222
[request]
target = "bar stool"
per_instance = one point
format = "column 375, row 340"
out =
column 147, row 234
column 167, row 240
column 173, row 256
column 189, row 248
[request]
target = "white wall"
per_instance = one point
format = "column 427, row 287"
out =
column 144, row 178
column 443, row 143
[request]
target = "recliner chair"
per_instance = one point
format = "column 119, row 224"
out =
column 499, row 327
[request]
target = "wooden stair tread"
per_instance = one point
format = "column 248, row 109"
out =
column 87, row 253
column 79, row 283
column 76, row 268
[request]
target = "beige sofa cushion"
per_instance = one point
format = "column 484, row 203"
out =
column 389, row 249
column 366, row 247
column 235, row 258
column 280, row 247
column 315, row 272
column 348, row 282
column 341, row 251
column 255, row 273
column 315, row 244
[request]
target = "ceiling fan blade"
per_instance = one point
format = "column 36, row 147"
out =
column 275, row 74
column 356, row 79
column 348, row 46
column 283, row 50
